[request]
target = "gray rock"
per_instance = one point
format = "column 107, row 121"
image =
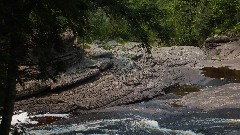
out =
column 225, row 55
column 219, row 39
column 32, row 87
column 112, row 43
column 104, row 63
column 131, row 80
column 62, row 81
column 226, row 96
column 100, row 53
column 128, row 81
column 66, row 80
column 213, row 42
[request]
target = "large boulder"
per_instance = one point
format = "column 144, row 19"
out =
column 220, row 39
column 213, row 42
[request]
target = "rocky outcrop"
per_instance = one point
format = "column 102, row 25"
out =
column 213, row 42
column 66, row 80
column 220, row 39
column 127, row 74
column 31, row 88
column 226, row 96
column 133, row 75
column 62, row 81
column 225, row 55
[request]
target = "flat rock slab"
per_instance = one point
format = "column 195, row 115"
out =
column 108, row 90
column 135, row 76
column 224, row 55
column 226, row 96
column 128, row 81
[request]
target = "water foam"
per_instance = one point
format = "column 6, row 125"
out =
column 21, row 118
column 134, row 124
column 25, row 118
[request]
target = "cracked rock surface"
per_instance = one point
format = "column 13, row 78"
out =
column 133, row 76
column 127, row 74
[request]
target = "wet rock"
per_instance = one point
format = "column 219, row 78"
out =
column 168, row 96
column 226, row 96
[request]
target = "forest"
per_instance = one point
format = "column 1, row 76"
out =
column 179, row 22
column 31, row 32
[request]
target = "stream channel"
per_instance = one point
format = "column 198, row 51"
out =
column 158, row 116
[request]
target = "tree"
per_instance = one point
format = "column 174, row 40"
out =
column 190, row 22
column 34, row 24
column 224, row 14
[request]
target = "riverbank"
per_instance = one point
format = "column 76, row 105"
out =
column 127, row 75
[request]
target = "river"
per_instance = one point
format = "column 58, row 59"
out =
column 158, row 116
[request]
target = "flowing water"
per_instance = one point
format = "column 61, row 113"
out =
column 154, row 117
column 181, row 121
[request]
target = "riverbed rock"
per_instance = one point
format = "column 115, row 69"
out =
column 125, row 87
column 62, row 81
column 135, row 75
column 225, row 55
column 226, row 96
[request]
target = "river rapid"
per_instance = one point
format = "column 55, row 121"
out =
column 159, row 116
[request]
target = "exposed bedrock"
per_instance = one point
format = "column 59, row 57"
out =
column 123, row 75
column 132, row 75
column 226, row 96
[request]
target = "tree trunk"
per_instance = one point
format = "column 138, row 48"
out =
column 15, row 25
column 14, row 22
column 10, row 91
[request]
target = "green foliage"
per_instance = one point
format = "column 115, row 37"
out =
column 237, row 29
column 104, row 27
column 185, row 21
column 124, row 21
column 190, row 22
column 169, row 22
